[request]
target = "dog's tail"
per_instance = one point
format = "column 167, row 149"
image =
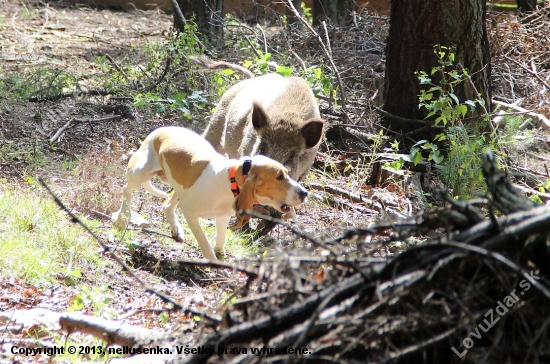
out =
column 154, row 191
column 211, row 65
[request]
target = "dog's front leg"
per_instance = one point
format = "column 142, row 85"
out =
column 169, row 209
column 196, row 229
column 221, row 230
column 121, row 218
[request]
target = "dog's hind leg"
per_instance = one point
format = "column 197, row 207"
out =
column 169, row 209
column 206, row 248
column 221, row 229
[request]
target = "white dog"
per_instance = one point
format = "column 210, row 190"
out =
column 206, row 184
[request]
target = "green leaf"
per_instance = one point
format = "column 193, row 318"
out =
column 462, row 109
column 179, row 96
column 77, row 303
column 76, row 274
column 471, row 103
column 440, row 137
column 420, row 142
column 284, row 71
column 164, row 317
column 453, row 96
column 437, row 157
column 417, row 158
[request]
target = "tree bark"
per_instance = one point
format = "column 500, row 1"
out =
column 335, row 10
column 207, row 14
column 415, row 27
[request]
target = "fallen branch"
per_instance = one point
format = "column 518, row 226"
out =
column 279, row 320
column 339, row 191
column 543, row 119
column 70, row 94
column 71, row 121
column 252, row 274
column 111, row 331
column 334, row 201
column 405, row 120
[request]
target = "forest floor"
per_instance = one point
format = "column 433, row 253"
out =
column 85, row 169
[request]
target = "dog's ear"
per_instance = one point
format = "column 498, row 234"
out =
column 245, row 202
column 259, row 117
column 312, row 131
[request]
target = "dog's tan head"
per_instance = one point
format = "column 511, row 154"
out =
column 268, row 183
column 287, row 137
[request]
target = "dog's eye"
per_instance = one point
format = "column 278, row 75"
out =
column 290, row 160
column 280, row 176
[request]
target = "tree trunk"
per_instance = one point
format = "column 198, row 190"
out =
column 525, row 6
column 415, row 27
column 207, row 14
column 292, row 19
column 335, row 10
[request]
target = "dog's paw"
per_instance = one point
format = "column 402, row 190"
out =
column 120, row 221
column 178, row 237
column 209, row 255
column 220, row 254
column 177, row 234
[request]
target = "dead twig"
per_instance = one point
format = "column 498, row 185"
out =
column 252, row 274
column 327, row 53
column 70, row 94
column 71, row 121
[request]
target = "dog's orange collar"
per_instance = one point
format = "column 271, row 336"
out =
column 247, row 164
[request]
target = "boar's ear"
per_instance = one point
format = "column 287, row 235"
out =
column 259, row 117
column 312, row 132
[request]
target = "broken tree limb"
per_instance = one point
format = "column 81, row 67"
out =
column 339, row 191
column 68, row 124
column 70, row 94
column 111, row 331
column 543, row 119
column 335, row 201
